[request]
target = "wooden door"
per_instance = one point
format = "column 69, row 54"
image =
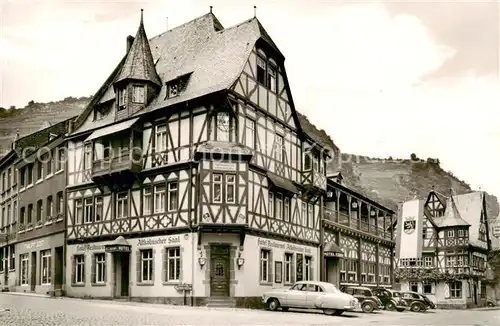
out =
column 219, row 270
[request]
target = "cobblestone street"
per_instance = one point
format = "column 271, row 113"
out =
column 28, row 310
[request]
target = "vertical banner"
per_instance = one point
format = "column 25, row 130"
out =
column 410, row 229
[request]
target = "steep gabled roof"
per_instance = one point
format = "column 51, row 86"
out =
column 212, row 56
column 452, row 216
column 139, row 64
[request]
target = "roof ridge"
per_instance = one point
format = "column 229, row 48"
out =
column 183, row 25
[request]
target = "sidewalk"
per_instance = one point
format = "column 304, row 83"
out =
column 27, row 294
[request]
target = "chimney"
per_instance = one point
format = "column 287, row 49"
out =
column 70, row 126
column 130, row 40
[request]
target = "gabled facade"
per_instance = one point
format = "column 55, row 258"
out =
column 189, row 170
column 442, row 248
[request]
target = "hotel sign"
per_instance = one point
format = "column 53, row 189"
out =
column 333, row 254
column 224, row 166
column 34, row 244
column 285, row 246
column 89, row 247
column 117, row 248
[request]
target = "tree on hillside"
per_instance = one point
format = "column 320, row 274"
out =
column 413, row 157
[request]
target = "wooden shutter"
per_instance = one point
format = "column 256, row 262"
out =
column 138, row 265
column 446, row 290
column 73, row 266
column 153, row 265
column 92, row 271
column 292, row 269
column 271, row 266
column 105, row 269
column 164, row 268
column 84, row 269
column 311, row 262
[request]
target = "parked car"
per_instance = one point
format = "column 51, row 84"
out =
column 367, row 300
column 391, row 299
column 417, row 302
column 310, row 295
column 491, row 303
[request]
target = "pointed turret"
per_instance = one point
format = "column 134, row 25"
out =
column 138, row 82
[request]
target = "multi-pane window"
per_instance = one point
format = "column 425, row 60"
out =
column 138, row 94
column 266, row 74
column 427, row 287
column 122, row 98
column 217, row 187
column 159, row 199
column 100, row 267
column 230, row 188
column 39, row 210
column 60, row 202
column 88, row 206
column 78, row 211
column 173, row 89
column 29, row 174
column 286, row 210
column 58, row 162
column 161, row 139
column 279, row 206
column 49, row 164
column 223, row 127
column 146, row 208
column 147, row 265
column 98, row 209
column 39, row 170
column 87, row 156
column 413, row 286
column 264, row 265
column 308, row 269
column 50, row 206
column 46, row 271
column 279, row 148
column 79, row 272
column 310, row 215
column 173, row 196
column 461, row 233
column 271, row 205
column 250, row 133
column 22, row 218
column 455, row 289
column 451, row 233
column 428, row 261
column 173, row 264
column 451, row 261
column 30, row 213
column 288, row 267
column 121, row 205
column 24, row 269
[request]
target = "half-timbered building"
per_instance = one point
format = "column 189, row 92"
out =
column 189, row 173
column 442, row 247
column 358, row 241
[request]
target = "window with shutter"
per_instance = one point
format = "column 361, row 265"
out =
column 293, row 270
column 153, row 266
column 73, row 270
column 92, row 275
column 138, row 265
column 164, row 264
column 271, row 266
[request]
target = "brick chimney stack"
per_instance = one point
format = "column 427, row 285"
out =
column 130, row 40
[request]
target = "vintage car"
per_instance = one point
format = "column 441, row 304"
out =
column 417, row 302
column 367, row 300
column 490, row 302
column 310, row 295
column 391, row 299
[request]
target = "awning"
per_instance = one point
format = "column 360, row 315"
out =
column 282, row 183
column 119, row 245
column 112, row 129
column 333, row 250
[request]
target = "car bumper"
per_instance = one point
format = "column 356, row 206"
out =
column 350, row 308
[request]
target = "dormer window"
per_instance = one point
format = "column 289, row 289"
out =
column 139, row 94
column 172, row 89
column 122, row 99
column 267, row 72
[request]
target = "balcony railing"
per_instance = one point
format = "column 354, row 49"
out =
column 314, row 178
column 128, row 161
column 343, row 219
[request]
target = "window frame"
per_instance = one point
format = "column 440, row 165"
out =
column 159, row 198
column 308, row 268
column 24, row 269
column 121, row 199
column 135, row 88
column 88, row 210
column 250, row 130
column 147, row 197
column 147, row 261
column 46, row 265
column 79, row 267
column 172, row 196
column 100, row 267
column 265, row 257
column 455, row 292
column 175, row 259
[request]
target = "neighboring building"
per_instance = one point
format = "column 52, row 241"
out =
column 41, row 226
column 187, row 168
column 8, row 218
column 358, row 242
column 442, row 247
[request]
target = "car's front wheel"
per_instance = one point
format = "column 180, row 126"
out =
column 417, row 307
column 329, row 312
column 390, row 306
column 273, row 304
column 367, row 307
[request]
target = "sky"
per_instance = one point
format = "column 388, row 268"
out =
column 382, row 78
